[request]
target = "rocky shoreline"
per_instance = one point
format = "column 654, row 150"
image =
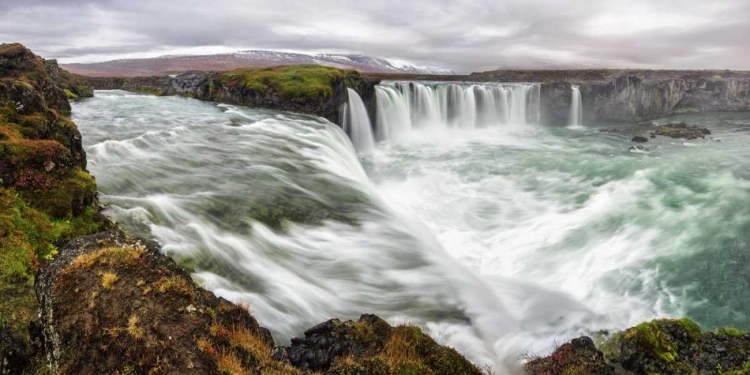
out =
column 106, row 302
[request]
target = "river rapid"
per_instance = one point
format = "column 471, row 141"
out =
column 500, row 240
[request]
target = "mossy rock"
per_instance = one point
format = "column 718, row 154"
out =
column 118, row 300
column 677, row 347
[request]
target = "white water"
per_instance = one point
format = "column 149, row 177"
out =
column 357, row 123
column 498, row 241
column 576, row 108
column 402, row 107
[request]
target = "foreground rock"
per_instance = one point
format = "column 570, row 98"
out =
column 657, row 347
column 579, row 356
column 372, row 346
column 111, row 304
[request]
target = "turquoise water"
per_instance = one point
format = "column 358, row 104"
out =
column 498, row 241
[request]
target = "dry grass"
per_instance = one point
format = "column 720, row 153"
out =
column 400, row 347
column 133, row 329
column 240, row 336
column 108, row 255
column 176, row 284
column 108, row 280
column 228, row 363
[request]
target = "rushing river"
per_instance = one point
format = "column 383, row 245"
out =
column 499, row 241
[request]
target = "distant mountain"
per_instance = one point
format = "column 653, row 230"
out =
column 243, row 59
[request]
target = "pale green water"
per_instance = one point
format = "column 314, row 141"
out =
column 498, row 241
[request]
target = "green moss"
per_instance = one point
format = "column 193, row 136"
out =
column 67, row 198
column 70, row 94
column 299, row 83
column 730, row 331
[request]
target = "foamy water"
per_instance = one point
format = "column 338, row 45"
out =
column 499, row 241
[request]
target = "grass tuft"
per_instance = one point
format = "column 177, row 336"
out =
column 108, row 280
column 133, row 329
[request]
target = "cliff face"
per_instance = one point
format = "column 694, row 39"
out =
column 632, row 95
column 310, row 89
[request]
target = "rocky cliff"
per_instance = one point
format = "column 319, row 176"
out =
column 310, row 89
column 632, row 95
column 46, row 195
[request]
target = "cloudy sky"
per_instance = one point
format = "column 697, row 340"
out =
column 461, row 35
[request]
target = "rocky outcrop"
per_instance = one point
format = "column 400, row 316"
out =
column 315, row 90
column 657, row 347
column 113, row 304
column 372, row 346
column 579, row 356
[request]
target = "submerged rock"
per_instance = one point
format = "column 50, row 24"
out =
column 639, row 139
column 639, row 148
column 682, row 130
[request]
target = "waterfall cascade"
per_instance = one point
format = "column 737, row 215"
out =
column 356, row 123
column 404, row 106
column 576, row 108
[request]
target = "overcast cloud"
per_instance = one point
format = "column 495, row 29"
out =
column 460, row 35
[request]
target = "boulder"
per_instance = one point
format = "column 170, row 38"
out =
column 678, row 347
column 682, row 130
column 579, row 356
column 639, row 139
column 372, row 346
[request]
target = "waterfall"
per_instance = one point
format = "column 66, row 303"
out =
column 357, row 124
column 576, row 108
column 405, row 106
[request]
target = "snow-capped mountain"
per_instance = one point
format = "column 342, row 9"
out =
column 176, row 64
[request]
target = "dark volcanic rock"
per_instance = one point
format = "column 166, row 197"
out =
column 372, row 346
column 14, row 352
column 579, row 356
column 639, row 139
